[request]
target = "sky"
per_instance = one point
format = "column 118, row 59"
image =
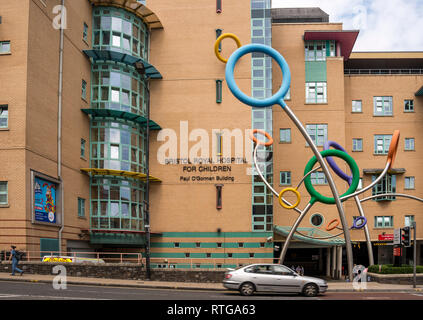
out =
column 385, row 25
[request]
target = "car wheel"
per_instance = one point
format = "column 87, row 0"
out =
column 247, row 289
column 310, row 290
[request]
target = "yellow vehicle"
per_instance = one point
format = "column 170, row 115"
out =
column 67, row 259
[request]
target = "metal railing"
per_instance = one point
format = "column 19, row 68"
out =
column 137, row 258
column 107, row 257
column 382, row 71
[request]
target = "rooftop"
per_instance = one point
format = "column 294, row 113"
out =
column 298, row 15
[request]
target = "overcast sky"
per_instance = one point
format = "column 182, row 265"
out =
column 385, row 25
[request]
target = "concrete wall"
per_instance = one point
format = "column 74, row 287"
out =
column 120, row 271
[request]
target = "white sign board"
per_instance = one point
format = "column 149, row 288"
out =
column 397, row 236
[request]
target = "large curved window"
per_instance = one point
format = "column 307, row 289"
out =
column 117, row 145
column 116, row 203
column 118, row 30
column 118, row 87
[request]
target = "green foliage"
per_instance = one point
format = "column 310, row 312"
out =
column 390, row 269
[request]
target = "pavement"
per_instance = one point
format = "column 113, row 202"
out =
column 333, row 286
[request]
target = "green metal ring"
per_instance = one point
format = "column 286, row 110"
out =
column 315, row 196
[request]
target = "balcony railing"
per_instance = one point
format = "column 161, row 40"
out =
column 382, row 71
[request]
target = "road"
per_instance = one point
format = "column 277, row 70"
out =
column 43, row 291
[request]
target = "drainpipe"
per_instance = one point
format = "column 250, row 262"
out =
column 59, row 130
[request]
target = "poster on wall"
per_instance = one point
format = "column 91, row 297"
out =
column 45, row 199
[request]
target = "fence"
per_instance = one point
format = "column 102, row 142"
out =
column 382, row 71
column 137, row 258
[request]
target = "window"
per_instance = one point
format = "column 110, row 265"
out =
column 121, row 29
column 318, row 178
column 81, row 207
column 384, row 221
column 218, row 34
column 319, row 50
column 409, row 183
column 4, row 47
column 316, row 92
column 219, row 91
column 285, row 135
column 3, row 193
column 85, row 32
column 219, row 138
column 4, row 116
column 240, row 244
column 360, row 184
column 408, row 221
column 218, row 6
column 357, row 145
column 386, row 185
column 285, row 178
column 357, row 106
column 316, row 220
column 176, row 244
column 382, row 106
column 219, row 196
column 408, row 105
column 84, row 90
column 288, row 95
column 382, row 143
column 409, row 144
column 318, row 133
column 83, row 148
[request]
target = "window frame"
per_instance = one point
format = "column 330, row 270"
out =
column 313, row 130
column 408, row 146
column 4, row 107
column 5, row 43
column 354, row 108
column 387, row 110
column 81, row 207
column 410, row 105
column 286, row 134
column 409, row 183
column 384, row 224
column 287, row 177
column 386, row 185
column 385, row 138
column 357, row 145
column 6, row 193
column 316, row 86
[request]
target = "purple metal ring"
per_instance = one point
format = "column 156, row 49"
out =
column 360, row 226
column 332, row 163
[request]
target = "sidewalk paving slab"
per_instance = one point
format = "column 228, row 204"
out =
column 333, row 286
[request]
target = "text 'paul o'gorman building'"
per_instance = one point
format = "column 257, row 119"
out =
column 118, row 133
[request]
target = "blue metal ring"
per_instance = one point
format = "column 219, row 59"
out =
column 278, row 97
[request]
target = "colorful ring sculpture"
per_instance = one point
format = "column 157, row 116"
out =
column 289, row 206
column 278, row 98
column 219, row 40
column 316, row 196
column 268, row 136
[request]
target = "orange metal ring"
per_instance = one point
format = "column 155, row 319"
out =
column 269, row 143
column 393, row 148
column 331, row 228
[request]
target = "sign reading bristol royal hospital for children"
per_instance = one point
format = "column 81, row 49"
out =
column 45, row 201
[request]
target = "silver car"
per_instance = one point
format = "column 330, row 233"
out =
column 272, row 278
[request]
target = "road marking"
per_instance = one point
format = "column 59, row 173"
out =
column 9, row 296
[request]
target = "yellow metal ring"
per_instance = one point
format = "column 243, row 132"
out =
column 296, row 193
column 218, row 40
